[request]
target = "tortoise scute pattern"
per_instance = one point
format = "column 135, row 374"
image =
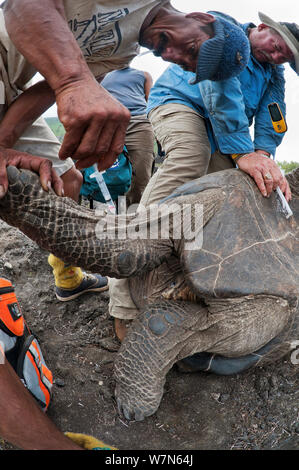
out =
column 236, row 296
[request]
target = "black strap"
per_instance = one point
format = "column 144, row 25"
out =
column 6, row 290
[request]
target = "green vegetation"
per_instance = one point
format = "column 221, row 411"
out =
column 288, row 166
column 59, row 131
column 56, row 126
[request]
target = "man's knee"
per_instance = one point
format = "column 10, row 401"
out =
column 121, row 304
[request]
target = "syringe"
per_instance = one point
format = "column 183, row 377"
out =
column 98, row 175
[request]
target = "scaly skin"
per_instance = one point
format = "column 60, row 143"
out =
column 166, row 331
column 78, row 236
column 148, row 352
column 73, row 233
column 169, row 331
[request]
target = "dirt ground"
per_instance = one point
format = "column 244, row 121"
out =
column 254, row 410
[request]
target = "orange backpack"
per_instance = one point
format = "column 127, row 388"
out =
column 21, row 348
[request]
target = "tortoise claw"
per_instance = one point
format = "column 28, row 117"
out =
column 123, row 410
column 128, row 413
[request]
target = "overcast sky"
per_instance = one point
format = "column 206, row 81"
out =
column 243, row 11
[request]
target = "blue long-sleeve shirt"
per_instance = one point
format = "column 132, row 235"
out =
column 229, row 106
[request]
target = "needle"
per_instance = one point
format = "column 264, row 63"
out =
column 103, row 187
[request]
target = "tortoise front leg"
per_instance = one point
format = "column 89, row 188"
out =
column 156, row 340
column 96, row 242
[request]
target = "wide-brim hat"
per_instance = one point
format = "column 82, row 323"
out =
column 289, row 33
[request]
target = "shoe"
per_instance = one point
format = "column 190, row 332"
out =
column 90, row 283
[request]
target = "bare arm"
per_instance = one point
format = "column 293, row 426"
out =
column 94, row 121
column 19, row 413
column 147, row 84
column 21, row 114
column 55, row 54
column 28, row 107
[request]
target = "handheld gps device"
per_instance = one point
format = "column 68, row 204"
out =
column 278, row 121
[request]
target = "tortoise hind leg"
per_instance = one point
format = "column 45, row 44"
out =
column 274, row 350
column 169, row 331
column 153, row 344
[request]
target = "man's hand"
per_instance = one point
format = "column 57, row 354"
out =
column 94, row 121
column 42, row 166
column 265, row 173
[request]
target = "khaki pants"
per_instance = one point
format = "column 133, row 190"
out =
column 140, row 144
column 182, row 134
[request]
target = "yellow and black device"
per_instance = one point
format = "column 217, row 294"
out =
column 278, row 121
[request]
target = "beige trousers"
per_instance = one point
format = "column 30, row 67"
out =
column 140, row 144
column 182, row 134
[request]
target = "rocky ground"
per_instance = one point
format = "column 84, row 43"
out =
column 255, row 410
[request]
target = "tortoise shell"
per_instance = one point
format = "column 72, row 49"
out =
column 249, row 247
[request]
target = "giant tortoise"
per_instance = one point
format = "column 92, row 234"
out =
column 226, row 305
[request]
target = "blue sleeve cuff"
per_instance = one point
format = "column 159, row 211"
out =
column 236, row 143
column 268, row 148
column 268, row 142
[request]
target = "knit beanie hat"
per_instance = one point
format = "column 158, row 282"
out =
column 223, row 56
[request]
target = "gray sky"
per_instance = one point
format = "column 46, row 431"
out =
column 243, row 11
